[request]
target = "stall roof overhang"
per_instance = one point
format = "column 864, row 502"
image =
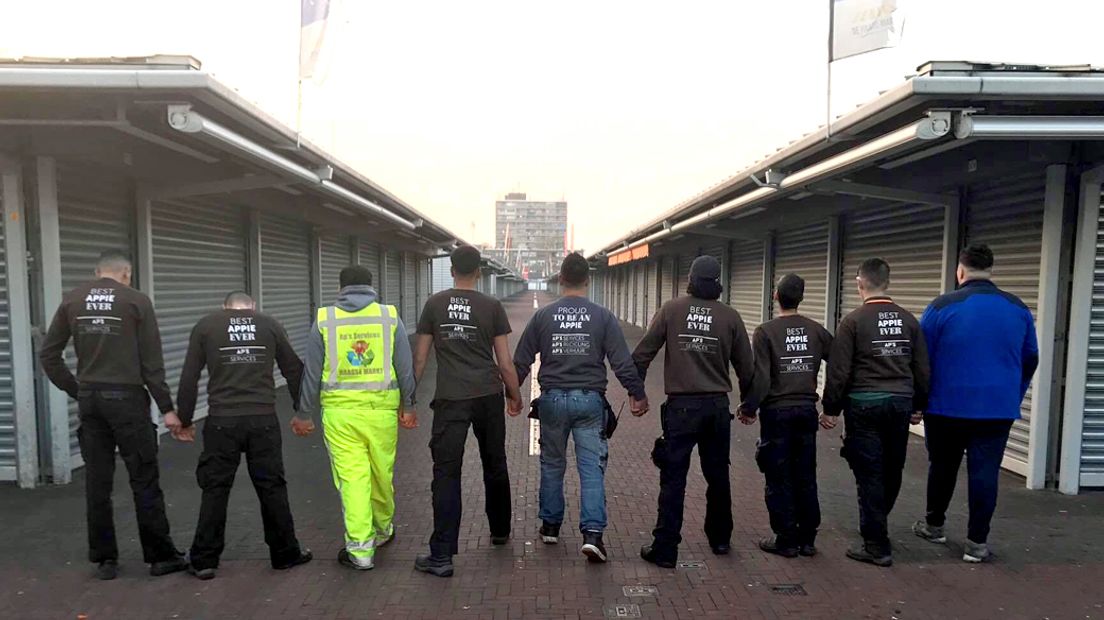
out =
column 174, row 84
column 981, row 100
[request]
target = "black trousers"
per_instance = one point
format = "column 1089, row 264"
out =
column 687, row 421
column 225, row 439
column 451, row 419
column 121, row 418
column 983, row 443
column 874, row 444
column 786, row 455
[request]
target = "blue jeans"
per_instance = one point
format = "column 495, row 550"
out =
column 581, row 414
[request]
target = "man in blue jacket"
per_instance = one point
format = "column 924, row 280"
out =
column 981, row 341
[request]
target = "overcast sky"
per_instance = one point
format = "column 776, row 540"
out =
column 623, row 108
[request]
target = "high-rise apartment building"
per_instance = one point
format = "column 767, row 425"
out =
column 530, row 235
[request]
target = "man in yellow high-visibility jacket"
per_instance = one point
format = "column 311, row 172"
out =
column 360, row 374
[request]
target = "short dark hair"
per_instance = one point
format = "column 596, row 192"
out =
column 235, row 298
column 876, row 273
column 112, row 261
column 976, row 257
column 465, row 260
column 575, row 269
column 791, row 291
column 355, row 275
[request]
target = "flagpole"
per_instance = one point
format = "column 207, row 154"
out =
column 828, row 95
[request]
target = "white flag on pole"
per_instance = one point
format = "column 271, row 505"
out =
column 315, row 14
column 861, row 26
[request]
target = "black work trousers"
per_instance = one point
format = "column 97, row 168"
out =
column 786, row 455
column 688, row 421
column 451, row 419
column 875, row 443
column 983, row 442
column 225, row 439
column 120, row 418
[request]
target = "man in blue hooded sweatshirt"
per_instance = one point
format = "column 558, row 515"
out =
column 981, row 341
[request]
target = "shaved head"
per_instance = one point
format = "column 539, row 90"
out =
column 238, row 300
column 115, row 265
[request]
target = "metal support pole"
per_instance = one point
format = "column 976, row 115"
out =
column 952, row 239
column 1045, row 381
column 49, row 264
column 19, row 324
column 832, row 284
column 315, row 266
column 144, row 240
column 768, row 277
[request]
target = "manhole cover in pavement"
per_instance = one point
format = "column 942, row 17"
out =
column 623, row 611
column 691, row 564
column 789, row 589
column 640, row 591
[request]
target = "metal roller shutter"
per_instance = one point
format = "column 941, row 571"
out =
column 392, row 291
column 716, row 249
column 333, row 256
column 95, row 213
column 369, row 256
column 682, row 278
column 7, row 393
column 640, row 293
column 409, row 310
column 1008, row 216
column 623, row 294
column 1092, row 429
column 423, row 287
column 199, row 256
column 667, row 279
column 745, row 281
column 910, row 239
column 804, row 251
column 285, row 277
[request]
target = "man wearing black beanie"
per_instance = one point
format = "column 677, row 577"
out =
column 702, row 338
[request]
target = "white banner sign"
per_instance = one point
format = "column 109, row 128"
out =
column 860, row 26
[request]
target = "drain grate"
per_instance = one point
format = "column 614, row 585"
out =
column 691, row 564
column 789, row 589
column 623, row 611
column 631, row 591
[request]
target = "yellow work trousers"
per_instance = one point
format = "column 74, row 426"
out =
column 362, row 455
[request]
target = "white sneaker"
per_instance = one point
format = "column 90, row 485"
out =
column 976, row 553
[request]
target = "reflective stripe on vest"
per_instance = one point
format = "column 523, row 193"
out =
column 330, row 324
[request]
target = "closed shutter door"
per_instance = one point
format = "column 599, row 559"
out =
column 910, row 239
column 1092, row 429
column 392, row 291
column 745, row 281
column 667, row 279
column 333, row 251
column 7, row 394
column 639, row 296
column 682, row 278
column 199, row 256
column 423, row 287
column 95, row 213
column 410, row 289
column 804, row 251
column 1008, row 216
column 369, row 256
column 285, row 277
column 716, row 249
column 622, row 294
column 649, row 290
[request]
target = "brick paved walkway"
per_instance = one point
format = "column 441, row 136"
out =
column 1051, row 548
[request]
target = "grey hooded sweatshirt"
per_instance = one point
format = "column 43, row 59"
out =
column 352, row 299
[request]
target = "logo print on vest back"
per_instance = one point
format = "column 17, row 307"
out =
column 360, row 354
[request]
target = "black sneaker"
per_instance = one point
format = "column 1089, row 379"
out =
column 107, row 570
column 861, row 553
column 648, row 554
column 593, row 548
column 550, row 533
column 439, row 566
column 721, row 549
column 808, row 551
column 168, row 567
column 498, row 541
column 346, row 560
column 304, row 556
column 770, row 545
column 202, row 574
